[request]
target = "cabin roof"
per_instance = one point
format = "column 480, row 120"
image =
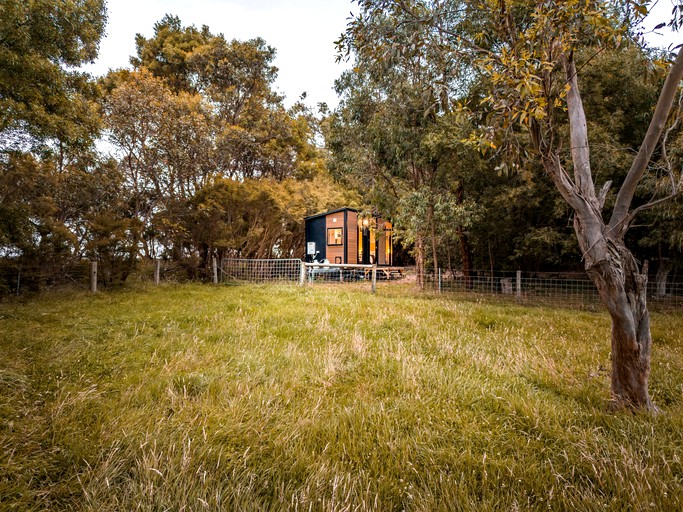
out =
column 330, row 212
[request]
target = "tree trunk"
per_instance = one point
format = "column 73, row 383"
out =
column 663, row 269
column 419, row 261
column 432, row 228
column 450, row 260
column 466, row 254
column 465, row 249
column 610, row 265
column 623, row 290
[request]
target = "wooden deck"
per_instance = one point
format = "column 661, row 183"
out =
column 387, row 272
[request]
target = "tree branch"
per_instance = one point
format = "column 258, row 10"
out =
column 665, row 156
column 654, row 132
column 562, row 181
column 649, row 205
column 578, row 130
column 405, row 9
column 602, row 195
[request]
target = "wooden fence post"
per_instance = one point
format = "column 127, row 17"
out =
column 439, row 280
column 214, row 265
column 157, row 271
column 374, row 278
column 93, row 276
column 519, row 285
column 302, row 274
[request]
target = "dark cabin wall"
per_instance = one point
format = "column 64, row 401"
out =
column 315, row 232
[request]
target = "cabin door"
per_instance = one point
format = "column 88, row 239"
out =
column 365, row 244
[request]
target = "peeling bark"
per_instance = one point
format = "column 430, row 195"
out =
column 610, row 265
column 623, row 290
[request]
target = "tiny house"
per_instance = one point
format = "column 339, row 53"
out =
column 347, row 237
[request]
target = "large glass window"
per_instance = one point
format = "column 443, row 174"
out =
column 334, row 236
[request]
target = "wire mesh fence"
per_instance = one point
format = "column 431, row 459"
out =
column 170, row 271
column 295, row 271
column 334, row 274
column 340, row 274
column 560, row 289
column 260, row 271
column 19, row 277
column 565, row 289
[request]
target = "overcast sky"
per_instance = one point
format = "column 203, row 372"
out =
column 302, row 31
column 661, row 13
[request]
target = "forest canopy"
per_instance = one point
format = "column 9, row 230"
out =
column 191, row 154
column 201, row 158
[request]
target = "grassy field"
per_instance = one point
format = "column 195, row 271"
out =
column 325, row 398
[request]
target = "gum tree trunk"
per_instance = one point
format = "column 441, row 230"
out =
column 663, row 270
column 609, row 263
column 623, row 290
column 465, row 249
column 420, row 261
column 466, row 254
column 432, row 235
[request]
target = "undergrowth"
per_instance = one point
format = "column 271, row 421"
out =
column 192, row 397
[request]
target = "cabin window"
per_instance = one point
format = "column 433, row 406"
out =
column 334, row 236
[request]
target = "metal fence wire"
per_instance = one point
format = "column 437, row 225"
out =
column 561, row 289
column 564, row 289
column 294, row 270
column 17, row 277
column 567, row 289
column 260, row 271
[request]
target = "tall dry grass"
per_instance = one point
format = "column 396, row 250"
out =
column 279, row 398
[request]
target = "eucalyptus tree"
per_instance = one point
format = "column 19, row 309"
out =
column 254, row 133
column 48, row 122
column 384, row 136
column 197, row 110
column 42, row 93
column 528, row 50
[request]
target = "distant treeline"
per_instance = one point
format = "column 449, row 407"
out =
column 192, row 155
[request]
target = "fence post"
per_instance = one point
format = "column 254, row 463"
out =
column 519, row 285
column 214, row 267
column 374, row 278
column 93, row 276
column 157, row 271
column 439, row 272
column 302, row 274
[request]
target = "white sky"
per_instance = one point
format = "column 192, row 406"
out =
column 660, row 12
column 302, row 31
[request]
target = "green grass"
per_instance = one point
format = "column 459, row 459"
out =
column 325, row 398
